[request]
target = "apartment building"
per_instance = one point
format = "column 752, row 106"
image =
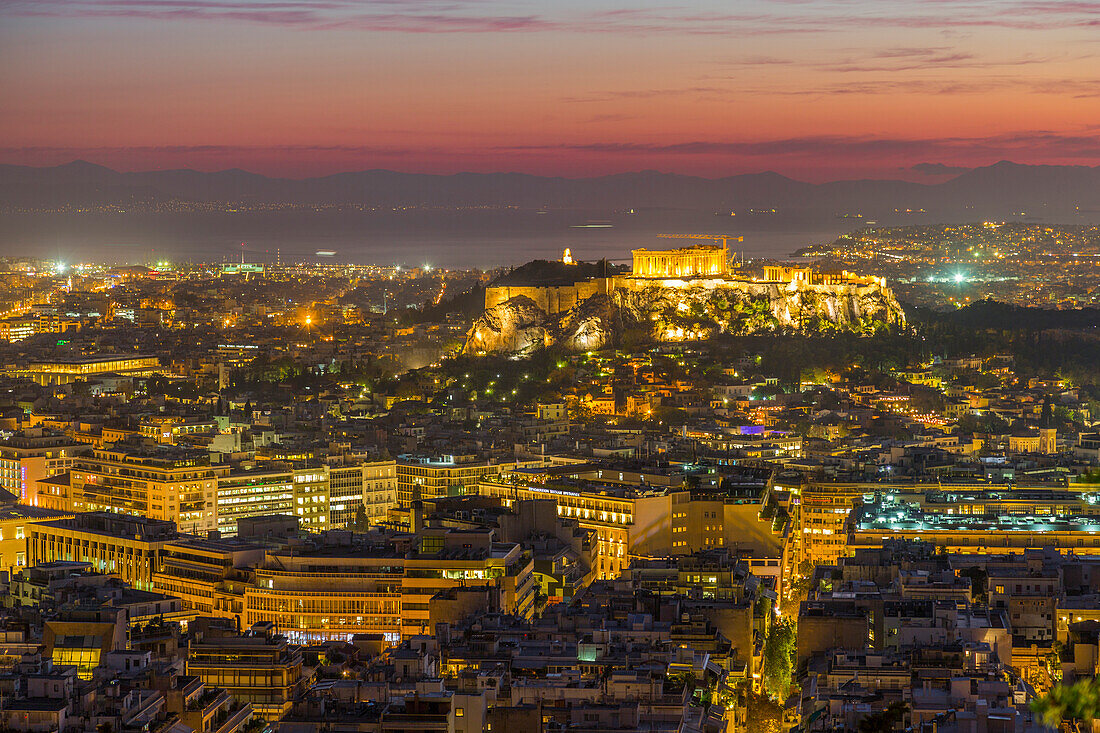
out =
column 253, row 492
column 32, row 455
column 258, row 667
column 164, row 483
column 818, row 519
column 322, row 495
column 370, row 484
column 15, row 523
column 379, row 489
column 641, row 515
column 609, row 512
column 432, row 477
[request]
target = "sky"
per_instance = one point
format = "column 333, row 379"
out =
column 813, row 89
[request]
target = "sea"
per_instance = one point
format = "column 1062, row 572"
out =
column 470, row 238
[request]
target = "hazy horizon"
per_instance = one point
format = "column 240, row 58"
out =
column 816, row 89
column 493, row 239
column 920, row 173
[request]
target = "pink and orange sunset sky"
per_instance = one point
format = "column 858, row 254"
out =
column 814, row 89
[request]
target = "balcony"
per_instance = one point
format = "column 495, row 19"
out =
column 233, row 719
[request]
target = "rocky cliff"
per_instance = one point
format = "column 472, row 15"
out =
column 637, row 311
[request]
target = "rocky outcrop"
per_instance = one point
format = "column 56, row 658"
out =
column 638, row 310
column 518, row 325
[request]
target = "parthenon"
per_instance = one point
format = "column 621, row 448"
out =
column 698, row 261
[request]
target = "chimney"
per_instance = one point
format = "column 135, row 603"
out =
column 416, row 517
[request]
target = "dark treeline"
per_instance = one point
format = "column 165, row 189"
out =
column 989, row 314
column 1063, row 344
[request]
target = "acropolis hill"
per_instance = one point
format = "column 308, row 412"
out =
column 681, row 294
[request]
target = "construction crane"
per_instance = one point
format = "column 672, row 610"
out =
column 724, row 238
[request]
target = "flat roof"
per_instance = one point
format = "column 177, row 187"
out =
column 93, row 359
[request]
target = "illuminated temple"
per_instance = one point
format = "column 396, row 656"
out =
column 698, row 261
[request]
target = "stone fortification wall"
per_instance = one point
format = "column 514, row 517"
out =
column 552, row 299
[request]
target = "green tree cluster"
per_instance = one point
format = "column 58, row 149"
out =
column 779, row 647
column 1079, row 701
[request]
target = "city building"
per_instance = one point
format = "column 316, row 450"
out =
column 34, row 454
column 259, row 667
column 126, row 547
column 15, row 524
column 209, row 575
column 382, row 583
column 887, row 517
column 335, row 494
column 69, row 370
column 639, row 514
column 162, row 483
column 259, row 491
column 431, row 477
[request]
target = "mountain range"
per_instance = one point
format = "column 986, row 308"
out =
column 1002, row 189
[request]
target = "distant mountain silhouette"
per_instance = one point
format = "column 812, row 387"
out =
column 1003, row 188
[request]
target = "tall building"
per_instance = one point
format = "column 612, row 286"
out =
column 432, row 477
column 819, row 516
column 258, row 667
column 371, row 485
column 249, row 493
column 634, row 515
column 163, row 483
column 322, row 495
column 34, row 454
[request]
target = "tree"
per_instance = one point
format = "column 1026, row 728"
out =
column 884, row 721
column 1079, row 701
column 360, row 524
column 979, row 580
column 779, row 658
column 1053, row 662
column 799, row 588
column 762, row 714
